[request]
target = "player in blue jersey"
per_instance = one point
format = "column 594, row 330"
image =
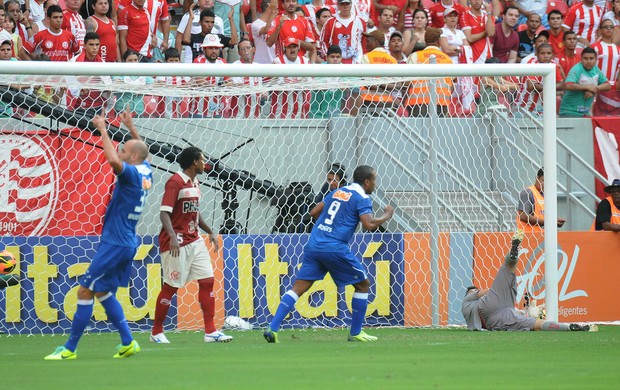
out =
column 328, row 250
column 111, row 267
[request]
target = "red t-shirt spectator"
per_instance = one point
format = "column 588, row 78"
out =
column 58, row 47
column 435, row 13
column 502, row 44
column 481, row 49
column 107, row 39
column 583, row 20
column 298, row 28
column 400, row 4
column 136, row 22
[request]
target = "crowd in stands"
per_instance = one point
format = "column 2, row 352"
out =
column 581, row 38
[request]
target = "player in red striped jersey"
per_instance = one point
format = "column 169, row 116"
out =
column 184, row 254
column 101, row 23
column 584, row 18
column 56, row 43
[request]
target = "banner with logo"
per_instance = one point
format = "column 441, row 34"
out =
column 53, row 184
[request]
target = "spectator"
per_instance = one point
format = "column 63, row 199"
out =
column 345, row 30
column 247, row 105
column 195, row 41
column 363, row 8
column 452, row 39
column 73, row 22
column 526, row 37
column 101, row 23
column 289, row 25
column 88, row 8
column 314, row 10
column 608, row 211
column 6, row 50
column 318, row 21
column 218, row 25
column 158, row 17
column 398, row 8
column 569, row 56
column 530, row 92
column 584, row 81
column 24, row 28
column 556, row 33
column 260, row 27
column 298, row 100
column 212, row 106
column 37, row 11
column 396, row 47
column 418, row 94
column 128, row 101
column 386, row 25
column 42, row 25
column 614, row 15
column 327, row 103
column 134, row 31
column 9, row 26
column 230, row 12
column 80, row 96
column 376, row 96
column 172, row 104
column 491, row 88
column 413, row 39
column 478, row 26
column 540, row 39
column 56, row 43
column 436, row 12
column 412, row 6
column 531, row 206
column 5, row 35
column 506, row 41
column 607, row 103
column 583, row 18
column 527, row 8
column 336, row 178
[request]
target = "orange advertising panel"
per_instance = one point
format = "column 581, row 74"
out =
column 588, row 265
column 190, row 314
column 418, row 277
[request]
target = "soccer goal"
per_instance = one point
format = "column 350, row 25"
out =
column 450, row 145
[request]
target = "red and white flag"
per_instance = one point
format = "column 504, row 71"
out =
column 606, row 154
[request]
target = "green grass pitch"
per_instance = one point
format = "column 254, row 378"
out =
column 323, row 359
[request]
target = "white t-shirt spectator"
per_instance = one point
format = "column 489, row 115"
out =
column 264, row 54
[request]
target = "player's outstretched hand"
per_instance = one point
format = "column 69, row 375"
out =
column 99, row 122
column 125, row 117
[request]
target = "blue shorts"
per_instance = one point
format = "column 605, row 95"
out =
column 110, row 269
column 343, row 267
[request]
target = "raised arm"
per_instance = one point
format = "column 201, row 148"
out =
column 108, row 147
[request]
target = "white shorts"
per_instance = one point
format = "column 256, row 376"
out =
column 193, row 263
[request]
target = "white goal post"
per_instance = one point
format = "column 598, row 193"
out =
column 282, row 153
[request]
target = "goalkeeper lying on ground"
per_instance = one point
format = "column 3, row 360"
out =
column 494, row 308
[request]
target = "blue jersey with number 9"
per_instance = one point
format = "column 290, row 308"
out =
column 341, row 214
column 132, row 186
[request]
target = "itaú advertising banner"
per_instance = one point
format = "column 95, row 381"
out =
column 45, row 300
column 259, row 269
column 587, row 270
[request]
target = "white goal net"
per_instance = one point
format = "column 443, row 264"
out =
column 272, row 135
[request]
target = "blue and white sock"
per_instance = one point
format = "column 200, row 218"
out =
column 287, row 304
column 81, row 318
column 114, row 310
column 359, row 304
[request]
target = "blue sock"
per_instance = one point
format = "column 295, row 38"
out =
column 359, row 303
column 114, row 310
column 81, row 318
column 287, row 304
